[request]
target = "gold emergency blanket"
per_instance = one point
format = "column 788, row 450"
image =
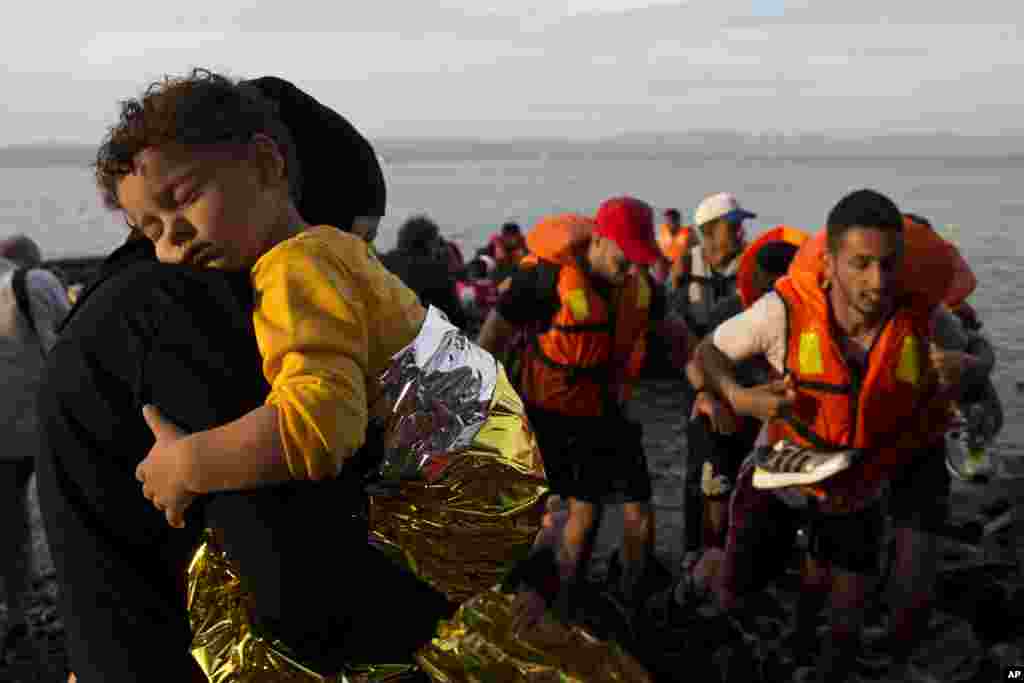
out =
column 462, row 530
column 478, row 644
column 229, row 650
column 464, row 463
column 462, row 501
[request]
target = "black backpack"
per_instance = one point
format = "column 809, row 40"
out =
column 512, row 359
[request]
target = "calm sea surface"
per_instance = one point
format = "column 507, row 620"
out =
column 979, row 203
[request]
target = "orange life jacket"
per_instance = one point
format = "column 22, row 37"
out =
column 748, row 261
column 634, row 366
column 593, row 348
column 892, row 410
column 673, row 246
column 931, row 254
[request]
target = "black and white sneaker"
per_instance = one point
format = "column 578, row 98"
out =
column 786, row 464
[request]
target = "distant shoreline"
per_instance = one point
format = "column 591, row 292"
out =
column 708, row 145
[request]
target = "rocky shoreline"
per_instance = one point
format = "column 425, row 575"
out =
column 978, row 630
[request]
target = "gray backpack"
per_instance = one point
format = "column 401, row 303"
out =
column 19, row 284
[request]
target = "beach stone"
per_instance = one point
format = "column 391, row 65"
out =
column 749, row 647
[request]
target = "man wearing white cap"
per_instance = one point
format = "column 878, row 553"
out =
column 702, row 285
column 706, row 274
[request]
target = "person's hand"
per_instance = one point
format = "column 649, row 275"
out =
column 950, row 366
column 162, row 473
column 767, row 401
column 528, row 609
column 813, row 492
column 723, row 419
column 848, row 498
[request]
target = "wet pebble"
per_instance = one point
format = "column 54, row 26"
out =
column 952, row 651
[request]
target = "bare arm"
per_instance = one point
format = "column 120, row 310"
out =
column 244, row 454
column 695, row 374
column 716, row 370
column 495, row 333
column 765, row 402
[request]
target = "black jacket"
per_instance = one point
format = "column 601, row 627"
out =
column 430, row 279
column 143, row 333
column 182, row 340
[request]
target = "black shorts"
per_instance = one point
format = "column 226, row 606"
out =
column 919, row 496
column 597, row 460
column 762, row 534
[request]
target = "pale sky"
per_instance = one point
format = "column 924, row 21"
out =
column 520, row 68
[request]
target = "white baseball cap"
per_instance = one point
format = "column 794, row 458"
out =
column 721, row 205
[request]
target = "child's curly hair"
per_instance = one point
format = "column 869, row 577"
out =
column 202, row 108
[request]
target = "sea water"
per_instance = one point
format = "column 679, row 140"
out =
column 975, row 202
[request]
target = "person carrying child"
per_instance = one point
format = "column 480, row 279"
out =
column 203, row 170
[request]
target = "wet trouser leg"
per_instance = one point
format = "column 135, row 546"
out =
column 302, row 552
column 919, row 507
column 815, row 585
column 848, row 544
column 697, row 444
column 911, row 590
column 846, row 607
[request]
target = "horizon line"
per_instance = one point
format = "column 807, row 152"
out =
column 846, row 136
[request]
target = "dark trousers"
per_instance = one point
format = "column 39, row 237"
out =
column 726, row 453
column 302, row 551
column 693, row 498
column 693, row 503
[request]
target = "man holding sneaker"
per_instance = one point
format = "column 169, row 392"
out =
column 871, row 363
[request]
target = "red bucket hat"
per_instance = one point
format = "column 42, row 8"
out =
column 629, row 223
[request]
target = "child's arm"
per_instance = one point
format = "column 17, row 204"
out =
column 243, row 454
column 312, row 330
column 312, row 326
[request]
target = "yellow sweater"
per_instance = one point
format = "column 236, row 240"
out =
column 328, row 319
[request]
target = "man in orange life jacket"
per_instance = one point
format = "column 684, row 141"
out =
column 673, row 241
column 705, row 273
column 871, row 361
column 587, row 304
column 702, row 292
column 506, row 247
